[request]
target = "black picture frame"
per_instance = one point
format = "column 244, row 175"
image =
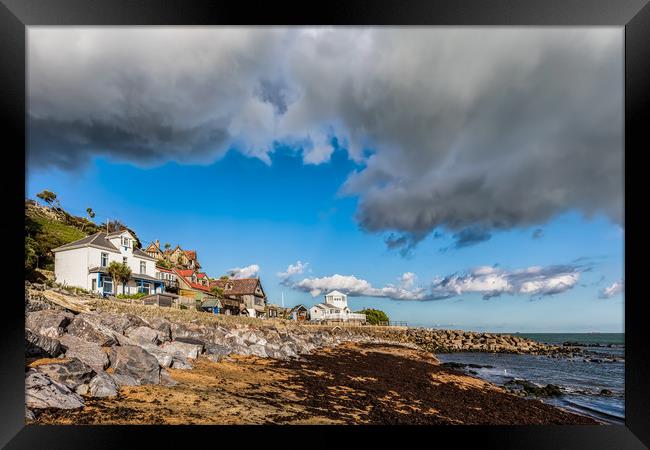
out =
column 634, row 15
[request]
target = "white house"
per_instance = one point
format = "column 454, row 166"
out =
column 84, row 263
column 335, row 308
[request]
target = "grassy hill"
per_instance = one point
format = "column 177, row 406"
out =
column 50, row 227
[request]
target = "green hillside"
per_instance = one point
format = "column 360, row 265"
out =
column 50, row 227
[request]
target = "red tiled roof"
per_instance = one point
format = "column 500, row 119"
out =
column 162, row 269
column 239, row 286
column 199, row 287
column 184, row 272
column 191, row 254
column 201, row 275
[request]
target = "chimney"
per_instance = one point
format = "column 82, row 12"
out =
column 157, row 243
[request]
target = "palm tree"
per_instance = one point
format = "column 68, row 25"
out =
column 120, row 273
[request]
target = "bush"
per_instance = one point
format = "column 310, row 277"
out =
column 374, row 316
column 137, row 295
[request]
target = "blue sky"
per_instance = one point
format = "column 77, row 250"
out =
column 453, row 177
column 240, row 211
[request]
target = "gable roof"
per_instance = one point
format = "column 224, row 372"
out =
column 155, row 248
column 298, row 307
column 334, row 293
column 191, row 254
column 140, row 254
column 94, row 240
column 238, row 286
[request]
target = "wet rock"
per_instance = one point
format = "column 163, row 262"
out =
column 37, row 345
column 48, row 322
column 87, row 352
column 102, row 385
column 606, row 392
column 187, row 350
column 43, row 392
column 70, row 373
column 136, row 362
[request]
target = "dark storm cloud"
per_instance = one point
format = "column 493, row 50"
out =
column 469, row 129
column 470, row 236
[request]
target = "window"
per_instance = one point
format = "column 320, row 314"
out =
column 108, row 285
column 145, row 288
column 126, row 241
column 104, row 259
column 124, row 260
column 143, row 267
column 94, row 285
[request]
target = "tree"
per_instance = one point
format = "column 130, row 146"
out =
column 224, row 277
column 374, row 316
column 217, row 291
column 91, row 214
column 31, row 257
column 48, row 197
column 168, row 245
column 120, row 274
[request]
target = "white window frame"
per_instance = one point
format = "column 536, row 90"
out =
column 143, row 267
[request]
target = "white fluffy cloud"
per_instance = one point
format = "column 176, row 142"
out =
column 613, row 289
column 486, row 281
column 293, row 269
column 244, row 272
column 471, row 130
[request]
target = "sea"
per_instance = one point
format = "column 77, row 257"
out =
column 581, row 379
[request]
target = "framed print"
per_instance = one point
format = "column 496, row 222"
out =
column 347, row 219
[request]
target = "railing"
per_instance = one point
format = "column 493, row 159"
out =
column 393, row 324
column 341, row 316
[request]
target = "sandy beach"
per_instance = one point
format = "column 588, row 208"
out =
column 354, row 383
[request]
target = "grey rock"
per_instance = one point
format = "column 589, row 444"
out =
column 37, row 345
column 48, row 322
column 103, row 385
column 88, row 352
column 82, row 389
column 164, row 358
column 257, row 350
column 163, row 326
column 215, row 358
column 29, row 415
column 43, row 392
column 166, row 379
column 144, row 335
column 70, row 373
column 216, row 349
column 134, row 361
column 89, row 328
column 120, row 322
column 184, row 349
column 124, row 380
column 180, row 362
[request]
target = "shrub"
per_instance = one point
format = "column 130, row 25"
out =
column 132, row 296
column 374, row 316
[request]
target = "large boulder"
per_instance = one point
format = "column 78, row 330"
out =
column 42, row 392
column 193, row 331
column 180, row 362
column 88, row 352
column 102, row 385
column 37, row 345
column 144, row 335
column 184, row 349
column 164, row 358
column 120, row 322
column 163, row 326
column 166, row 379
column 216, row 349
column 89, row 328
column 69, row 372
column 134, row 361
column 48, row 322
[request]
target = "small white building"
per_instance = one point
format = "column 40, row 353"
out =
column 84, row 263
column 334, row 308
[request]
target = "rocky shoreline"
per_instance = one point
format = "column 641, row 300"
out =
column 81, row 348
